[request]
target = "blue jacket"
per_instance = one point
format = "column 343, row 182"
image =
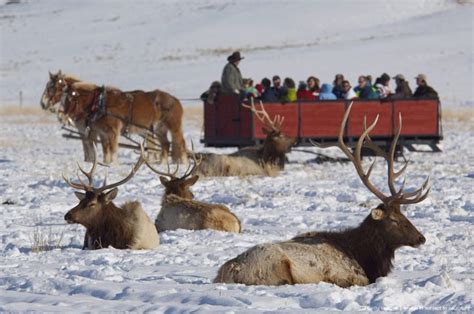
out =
column 326, row 93
column 270, row 95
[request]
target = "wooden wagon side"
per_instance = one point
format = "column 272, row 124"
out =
column 227, row 123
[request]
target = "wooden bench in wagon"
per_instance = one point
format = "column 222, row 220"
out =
column 227, row 123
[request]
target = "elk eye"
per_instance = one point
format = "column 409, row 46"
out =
column 74, row 94
column 60, row 81
column 394, row 221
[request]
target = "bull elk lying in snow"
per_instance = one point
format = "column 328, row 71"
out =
column 266, row 159
column 180, row 211
column 125, row 227
column 109, row 112
column 356, row 256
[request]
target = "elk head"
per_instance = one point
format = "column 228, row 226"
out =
column 386, row 220
column 94, row 201
column 276, row 143
column 178, row 185
column 52, row 92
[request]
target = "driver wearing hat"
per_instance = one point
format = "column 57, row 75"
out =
column 232, row 81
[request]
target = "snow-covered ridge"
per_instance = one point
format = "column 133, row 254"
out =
column 181, row 46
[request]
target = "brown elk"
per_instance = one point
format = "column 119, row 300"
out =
column 356, row 256
column 125, row 227
column 180, row 211
column 266, row 159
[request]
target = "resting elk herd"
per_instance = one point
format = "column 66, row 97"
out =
column 356, row 256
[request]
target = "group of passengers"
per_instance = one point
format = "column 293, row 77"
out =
column 312, row 89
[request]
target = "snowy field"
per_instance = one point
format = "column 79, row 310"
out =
column 181, row 46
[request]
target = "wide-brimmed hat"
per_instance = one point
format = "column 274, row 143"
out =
column 235, row 56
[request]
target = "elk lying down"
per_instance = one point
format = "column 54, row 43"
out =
column 356, row 256
column 266, row 160
column 128, row 227
column 180, row 211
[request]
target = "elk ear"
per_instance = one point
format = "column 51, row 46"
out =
column 377, row 214
column 265, row 131
column 50, row 75
column 191, row 180
column 80, row 195
column 163, row 180
column 110, row 195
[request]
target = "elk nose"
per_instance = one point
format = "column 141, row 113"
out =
column 67, row 217
column 421, row 239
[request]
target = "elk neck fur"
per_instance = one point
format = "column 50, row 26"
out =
column 367, row 244
column 128, row 227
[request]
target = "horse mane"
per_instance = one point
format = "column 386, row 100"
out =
column 85, row 85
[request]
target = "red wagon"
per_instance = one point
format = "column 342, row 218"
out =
column 227, row 123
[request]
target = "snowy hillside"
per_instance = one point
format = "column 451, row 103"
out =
column 180, row 46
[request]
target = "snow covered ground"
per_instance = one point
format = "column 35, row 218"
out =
column 181, row 46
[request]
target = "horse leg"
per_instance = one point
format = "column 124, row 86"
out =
column 178, row 146
column 162, row 131
column 152, row 144
column 87, row 142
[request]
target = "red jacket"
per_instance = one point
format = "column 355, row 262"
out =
column 305, row 95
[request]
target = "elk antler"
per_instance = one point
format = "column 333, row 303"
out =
column 263, row 116
column 88, row 187
column 365, row 141
column 186, row 174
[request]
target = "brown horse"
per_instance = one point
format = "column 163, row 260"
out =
column 153, row 112
column 109, row 112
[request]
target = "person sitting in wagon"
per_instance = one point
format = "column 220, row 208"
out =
column 424, row 90
column 326, row 92
column 338, row 88
column 382, row 86
column 288, row 91
column 210, row 95
column 268, row 94
column 313, row 86
column 303, row 92
column 364, row 90
column 349, row 92
column 403, row 89
column 250, row 90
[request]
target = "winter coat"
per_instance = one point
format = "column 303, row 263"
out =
column 305, row 94
column 252, row 92
column 269, row 95
column 338, row 90
column 403, row 90
column 425, row 91
column 289, row 95
column 232, row 79
column 326, row 93
column 351, row 94
column 383, row 91
column 367, row 92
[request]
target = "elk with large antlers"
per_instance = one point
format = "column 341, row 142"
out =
column 356, row 256
column 266, row 159
column 180, row 211
column 125, row 227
